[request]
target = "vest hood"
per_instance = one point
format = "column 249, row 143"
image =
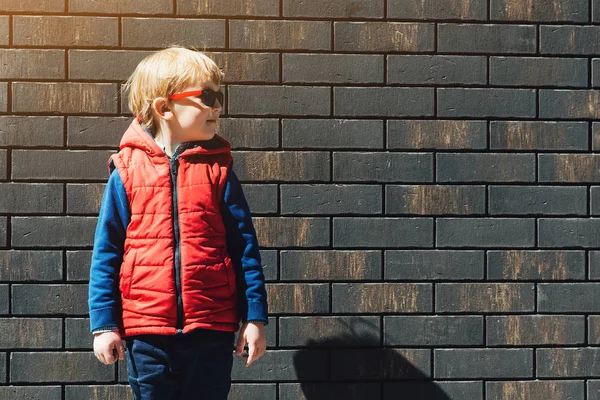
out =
column 136, row 136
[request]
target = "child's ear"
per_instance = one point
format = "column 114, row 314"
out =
column 162, row 108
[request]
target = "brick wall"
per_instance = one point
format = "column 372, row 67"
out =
column 423, row 177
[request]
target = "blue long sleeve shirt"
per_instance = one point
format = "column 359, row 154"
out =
column 107, row 255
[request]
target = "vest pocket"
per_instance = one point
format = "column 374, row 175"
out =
column 228, row 265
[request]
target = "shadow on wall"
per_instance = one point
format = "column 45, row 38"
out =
column 360, row 368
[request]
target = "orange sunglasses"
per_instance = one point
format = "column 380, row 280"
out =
column 208, row 96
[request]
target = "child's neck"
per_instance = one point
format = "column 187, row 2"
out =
column 166, row 140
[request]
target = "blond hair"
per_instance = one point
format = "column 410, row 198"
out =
column 165, row 72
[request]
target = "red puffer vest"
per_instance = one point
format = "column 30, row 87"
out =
column 176, row 273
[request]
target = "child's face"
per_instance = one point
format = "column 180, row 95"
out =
column 194, row 119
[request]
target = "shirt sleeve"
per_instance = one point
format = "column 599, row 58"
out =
column 104, row 298
column 243, row 249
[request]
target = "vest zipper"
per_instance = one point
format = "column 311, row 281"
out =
column 173, row 168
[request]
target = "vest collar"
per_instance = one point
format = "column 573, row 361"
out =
column 138, row 136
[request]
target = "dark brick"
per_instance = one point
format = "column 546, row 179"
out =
column 114, row 392
column 31, row 63
column 31, row 392
column 383, row 101
column 78, row 265
column 165, row 31
column 383, row 36
column 116, row 64
column 380, row 364
column 595, row 200
column 258, row 133
column 77, row 333
column 530, row 330
column 289, row 365
column 382, row 167
column 4, row 24
column 570, row 104
column 25, row 198
column 280, row 35
column 332, row 133
column 331, row 199
column 269, row 264
column 261, row 198
column 484, row 297
column 60, row 164
column 594, row 265
column 433, row 331
column 486, row 102
column 593, row 329
column 433, row 264
column 483, row 363
column 31, row 131
column 26, row 333
column 535, row 390
column 568, row 232
column 334, row 8
column 436, row 134
column 596, row 70
column 328, row 390
column 58, row 367
column 42, row 231
column 3, row 230
column 548, row 200
column 324, row 265
column 228, row 8
column 265, row 66
column 71, row 31
column 571, row 363
column 3, row 96
column 382, row 232
column 121, row 7
column 569, row 168
column 448, row 390
column 431, row 9
column 298, row 298
column 485, row 232
column 292, row 231
column 282, row 166
column 370, row 298
column 596, row 136
column 435, row 199
column 593, row 386
column 49, row 299
column 538, row 135
column 263, row 391
column 569, row 39
column 84, row 198
column 438, row 70
column 283, row 100
column 540, row 10
column 536, row 265
column 333, row 68
column 4, row 295
column 488, row 167
column 596, row 10
column 32, row 6
column 536, row 71
column 96, row 131
column 484, row 38
column 30, row 265
column 569, row 297
column 64, row 97
column 329, row 332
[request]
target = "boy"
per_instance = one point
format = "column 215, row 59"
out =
column 174, row 226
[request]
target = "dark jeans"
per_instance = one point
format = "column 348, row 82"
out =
column 195, row 366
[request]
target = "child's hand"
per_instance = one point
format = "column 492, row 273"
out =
column 254, row 334
column 107, row 345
